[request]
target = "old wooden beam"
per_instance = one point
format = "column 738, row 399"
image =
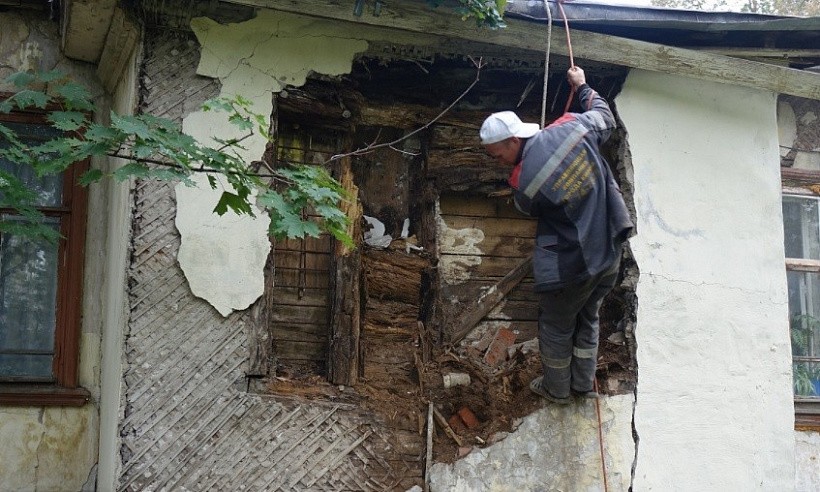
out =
column 343, row 366
column 260, row 347
column 482, row 306
column 418, row 18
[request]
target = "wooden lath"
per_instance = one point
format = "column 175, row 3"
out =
column 416, row 17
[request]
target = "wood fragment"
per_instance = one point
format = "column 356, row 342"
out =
column 420, row 371
column 485, row 304
column 446, row 427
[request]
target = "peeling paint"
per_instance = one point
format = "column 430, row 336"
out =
column 455, row 268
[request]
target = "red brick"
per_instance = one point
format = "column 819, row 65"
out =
column 456, row 424
column 468, row 417
column 497, row 352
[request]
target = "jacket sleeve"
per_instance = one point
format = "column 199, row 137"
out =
column 597, row 116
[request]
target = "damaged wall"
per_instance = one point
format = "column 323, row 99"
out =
column 712, row 333
column 255, row 59
column 55, row 448
column 555, row 448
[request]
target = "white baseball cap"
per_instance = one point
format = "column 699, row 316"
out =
column 503, row 125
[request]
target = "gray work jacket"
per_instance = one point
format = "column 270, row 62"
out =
column 565, row 182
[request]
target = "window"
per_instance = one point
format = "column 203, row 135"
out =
column 40, row 285
column 801, row 224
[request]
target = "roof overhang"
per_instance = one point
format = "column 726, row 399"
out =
column 530, row 33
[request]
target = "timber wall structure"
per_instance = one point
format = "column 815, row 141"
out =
column 188, row 422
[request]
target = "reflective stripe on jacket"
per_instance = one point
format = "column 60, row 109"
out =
column 565, row 182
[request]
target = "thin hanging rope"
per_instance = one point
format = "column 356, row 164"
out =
column 566, row 108
column 569, row 48
column 600, row 435
column 546, row 65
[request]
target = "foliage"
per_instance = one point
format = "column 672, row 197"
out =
column 804, row 374
column 487, row 13
column 156, row 148
column 801, row 8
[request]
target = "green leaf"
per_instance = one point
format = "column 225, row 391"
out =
column 75, row 96
column 234, row 202
column 130, row 125
column 90, row 176
column 131, row 170
column 20, row 79
column 212, row 181
column 28, row 98
column 67, row 120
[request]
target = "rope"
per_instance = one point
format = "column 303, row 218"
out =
column 600, row 435
column 569, row 48
column 566, row 108
column 543, row 124
column 546, row 65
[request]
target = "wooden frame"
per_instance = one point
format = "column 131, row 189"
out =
column 65, row 390
column 807, row 410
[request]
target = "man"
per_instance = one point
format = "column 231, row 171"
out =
column 560, row 177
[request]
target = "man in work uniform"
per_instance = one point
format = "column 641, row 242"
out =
column 560, row 177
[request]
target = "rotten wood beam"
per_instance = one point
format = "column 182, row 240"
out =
column 346, row 304
column 485, row 304
column 417, row 17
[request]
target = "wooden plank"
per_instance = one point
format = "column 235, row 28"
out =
column 463, row 293
column 296, row 332
column 471, row 206
column 520, row 227
column 311, row 260
column 260, row 353
column 417, row 17
column 482, row 306
column 291, row 277
column 345, row 324
column 509, row 246
column 490, row 268
column 316, row 315
column 301, row 351
column 321, row 244
column 301, row 297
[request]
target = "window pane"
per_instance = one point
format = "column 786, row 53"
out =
column 801, row 227
column 49, row 189
column 28, row 302
column 804, row 310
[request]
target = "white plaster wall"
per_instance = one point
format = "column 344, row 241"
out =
column 116, row 201
column 555, row 448
column 714, row 403
column 54, row 448
column 807, row 451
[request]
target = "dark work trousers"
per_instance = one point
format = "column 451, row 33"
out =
column 568, row 333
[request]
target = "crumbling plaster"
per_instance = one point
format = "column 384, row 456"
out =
column 253, row 59
column 555, row 448
column 714, row 397
column 54, row 448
